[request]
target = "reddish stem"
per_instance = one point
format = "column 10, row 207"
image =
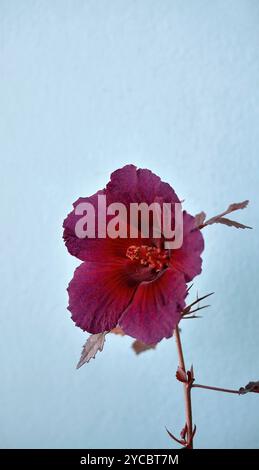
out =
column 187, row 391
column 217, row 389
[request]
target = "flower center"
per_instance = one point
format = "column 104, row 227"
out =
column 149, row 256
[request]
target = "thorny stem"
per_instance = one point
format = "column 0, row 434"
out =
column 217, row 389
column 187, row 390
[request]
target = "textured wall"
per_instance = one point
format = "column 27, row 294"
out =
column 87, row 86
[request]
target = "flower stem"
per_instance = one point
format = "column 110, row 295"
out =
column 187, row 390
column 217, row 389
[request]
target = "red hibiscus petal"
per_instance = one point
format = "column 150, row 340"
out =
column 79, row 246
column 131, row 185
column 156, row 308
column 99, row 293
column 187, row 259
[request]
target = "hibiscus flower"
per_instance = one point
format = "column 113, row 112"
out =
column 134, row 283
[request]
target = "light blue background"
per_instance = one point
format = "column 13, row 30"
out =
column 87, row 86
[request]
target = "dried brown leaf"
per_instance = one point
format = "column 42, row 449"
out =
column 140, row 347
column 250, row 387
column 200, row 218
column 93, row 344
column 231, row 208
column 230, row 223
column 236, row 206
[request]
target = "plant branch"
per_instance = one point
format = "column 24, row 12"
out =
column 216, row 389
column 187, row 391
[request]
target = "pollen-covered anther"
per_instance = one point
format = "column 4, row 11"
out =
column 148, row 256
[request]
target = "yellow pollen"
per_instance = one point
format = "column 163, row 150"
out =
column 148, row 256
